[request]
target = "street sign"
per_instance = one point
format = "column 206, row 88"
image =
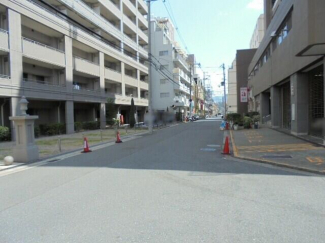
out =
column 243, row 95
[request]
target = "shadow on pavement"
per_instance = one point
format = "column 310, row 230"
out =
column 175, row 149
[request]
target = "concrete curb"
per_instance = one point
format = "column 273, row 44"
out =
column 264, row 161
column 72, row 153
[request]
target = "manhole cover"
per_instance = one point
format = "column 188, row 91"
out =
column 277, row 157
column 208, row 149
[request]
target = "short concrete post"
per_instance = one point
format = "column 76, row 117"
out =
column 25, row 150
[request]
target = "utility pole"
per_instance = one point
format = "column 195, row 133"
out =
column 150, row 111
column 224, row 89
column 204, row 93
column 190, row 91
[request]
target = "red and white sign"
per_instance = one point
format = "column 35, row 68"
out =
column 243, row 95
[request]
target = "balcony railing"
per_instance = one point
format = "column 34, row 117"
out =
column 4, row 76
column 181, row 60
column 4, row 37
column 90, row 11
column 43, row 45
column 112, row 94
column 80, row 88
column 86, row 66
column 42, row 82
column 113, row 70
column 4, row 31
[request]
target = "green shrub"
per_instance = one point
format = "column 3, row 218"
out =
column 110, row 122
column 77, row 126
column 52, row 129
column 256, row 118
column 37, row 132
column 234, row 117
column 90, row 125
column 4, row 134
column 247, row 122
column 252, row 114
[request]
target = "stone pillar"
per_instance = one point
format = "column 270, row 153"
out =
column 276, row 116
column 299, row 104
column 25, row 150
column 102, row 115
column 123, row 78
column 69, row 64
column 15, row 45
column 69, row 116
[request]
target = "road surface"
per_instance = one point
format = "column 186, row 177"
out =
column 172, row 186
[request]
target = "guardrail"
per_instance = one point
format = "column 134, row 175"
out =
column 43, row 45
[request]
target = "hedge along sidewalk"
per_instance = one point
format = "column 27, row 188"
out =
column 49, row 146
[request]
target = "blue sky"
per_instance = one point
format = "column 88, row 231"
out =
column 213, row 29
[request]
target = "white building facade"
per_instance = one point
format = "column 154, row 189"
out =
column 171, row 77
column 232, row 89
column 69, row 57
column 258, row 33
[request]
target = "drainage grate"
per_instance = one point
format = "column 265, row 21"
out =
column 277, row 157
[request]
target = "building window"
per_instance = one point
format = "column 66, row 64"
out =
column 163, row 53
column 164, row 95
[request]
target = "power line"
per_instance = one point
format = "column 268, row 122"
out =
column 172, row 17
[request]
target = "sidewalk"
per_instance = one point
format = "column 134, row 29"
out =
column 274, row 147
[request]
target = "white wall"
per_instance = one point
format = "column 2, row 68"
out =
column 232, row 89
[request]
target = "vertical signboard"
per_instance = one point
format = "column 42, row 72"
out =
column 243, row 95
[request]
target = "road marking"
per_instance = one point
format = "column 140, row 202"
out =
column 234, row 147
column 213, row 145
column 317, row 160
column 208, row 149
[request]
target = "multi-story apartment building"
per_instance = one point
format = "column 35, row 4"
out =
column 258, row 33
column 172, row 75
column 234, row 103
column 69, row 57
column 287, row 71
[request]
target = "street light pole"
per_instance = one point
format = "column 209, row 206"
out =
column 150, row 111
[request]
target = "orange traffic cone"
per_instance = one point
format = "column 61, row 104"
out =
column 118, row 138
column 226, row 149
column 86, row 146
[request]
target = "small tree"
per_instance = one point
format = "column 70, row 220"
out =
column 132, row 112
column 111, row 111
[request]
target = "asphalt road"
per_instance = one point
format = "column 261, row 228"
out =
column 165, row 187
